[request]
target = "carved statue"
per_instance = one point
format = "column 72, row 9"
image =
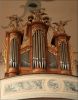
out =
column 38, row 13
column 54, row 29
column 59, row 27
column 15, row 22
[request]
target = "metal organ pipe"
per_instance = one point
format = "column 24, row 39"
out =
column 34, row 50
column 61, row 58
column 64, row 59
column 37, row 49
column 39, row 39
column 64, row 56
column 35, row 53
column 37, row 43
column 13, row 53
column 16, row 54
column 44, row 62
column 39, row 60
column 65, row 66
column 42, row 49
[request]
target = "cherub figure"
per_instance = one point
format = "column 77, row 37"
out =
column 15, row 22
column 59, row 27
column 54, row 29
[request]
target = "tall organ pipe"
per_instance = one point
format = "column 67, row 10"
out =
column 37, row 46
column 39, row 60
column 33, row 50
column 44, row 57
column 64, row 56
column 13, row 53
column 39, row 39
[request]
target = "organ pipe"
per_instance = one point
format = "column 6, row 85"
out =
column 33, row 50
column 64, row 56
column 13, row 53
column 39, row 50
column 39, row 39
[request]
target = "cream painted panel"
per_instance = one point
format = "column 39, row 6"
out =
column 39, row 85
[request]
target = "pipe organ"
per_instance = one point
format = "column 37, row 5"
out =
column 36, row 55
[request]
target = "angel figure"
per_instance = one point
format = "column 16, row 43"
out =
column 15, row 22
column 60, row 26
column 54, row 29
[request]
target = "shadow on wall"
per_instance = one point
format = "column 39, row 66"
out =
column 47, row 99
column 2, row 71
column 2, row 65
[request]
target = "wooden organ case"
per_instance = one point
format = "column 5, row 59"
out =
column 35, row 55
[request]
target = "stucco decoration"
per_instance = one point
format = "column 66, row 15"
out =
column 24, row 85
column 71, row 86
column 52, row 85
column 39, row 85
